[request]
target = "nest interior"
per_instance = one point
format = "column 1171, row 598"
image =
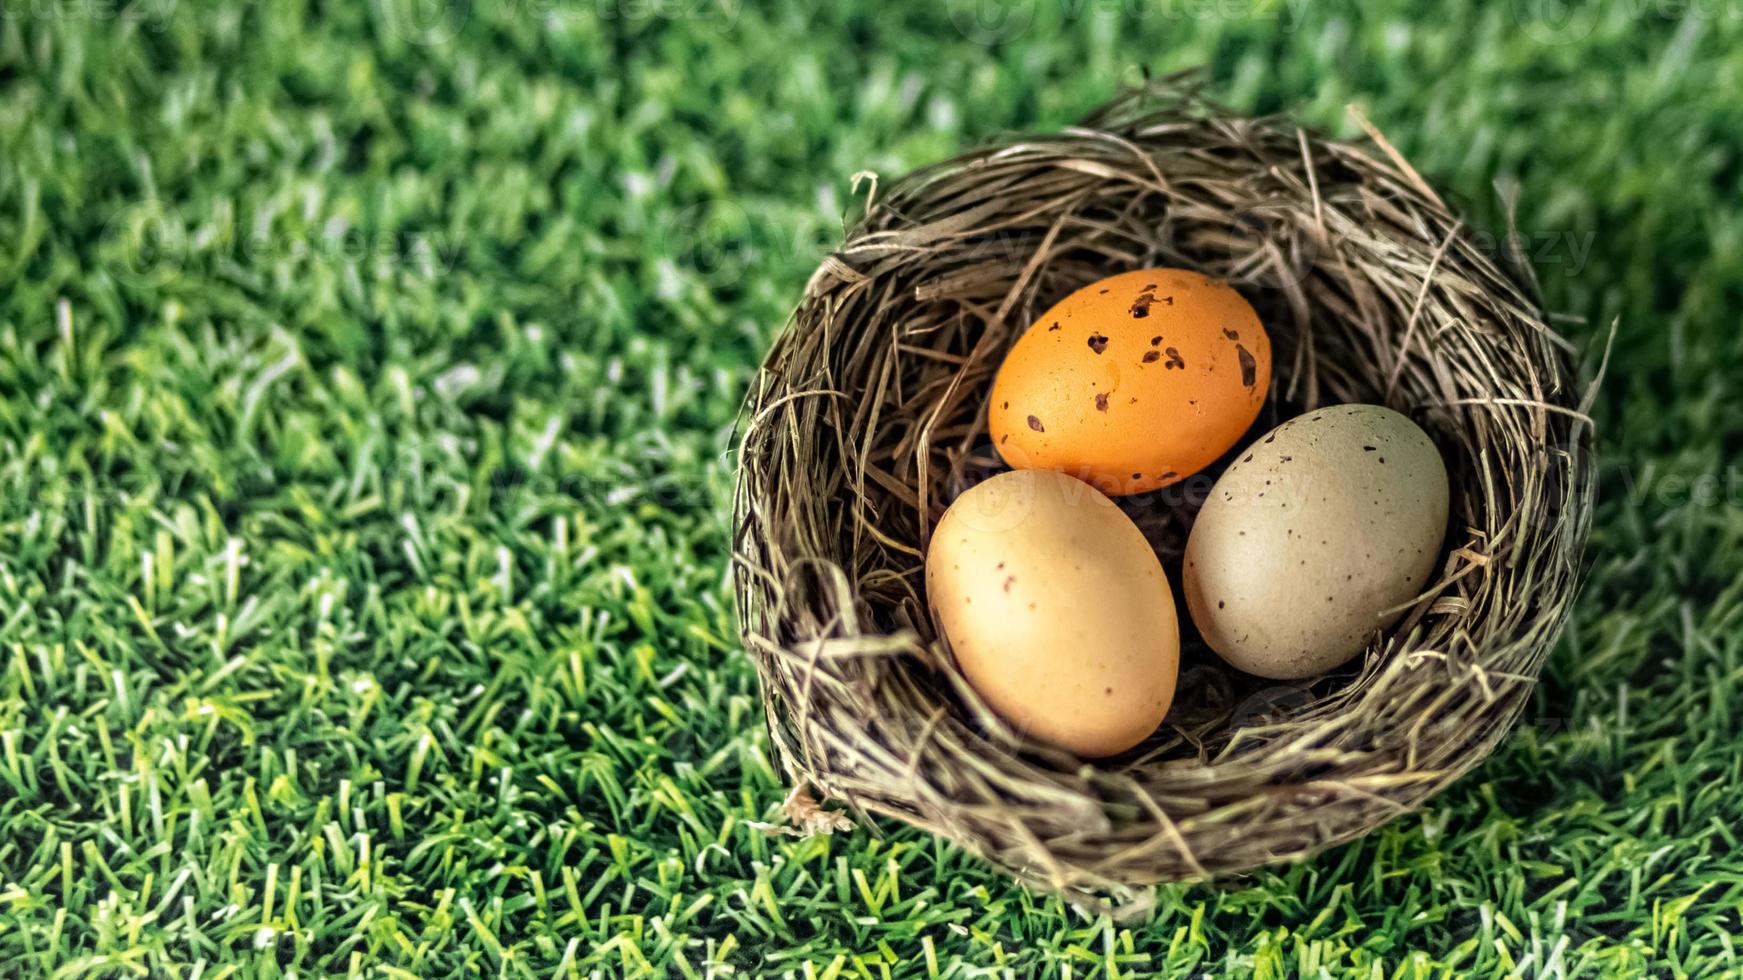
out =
column 869, row 416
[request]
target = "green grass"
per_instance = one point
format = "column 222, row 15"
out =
column 366, row 386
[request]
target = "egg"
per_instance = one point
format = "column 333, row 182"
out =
column 1312, row 540
column 1134, row 382
column 1056, row 610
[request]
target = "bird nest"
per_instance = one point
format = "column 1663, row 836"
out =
column 869, row 416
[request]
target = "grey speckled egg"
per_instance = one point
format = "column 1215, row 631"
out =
column 1313, row 538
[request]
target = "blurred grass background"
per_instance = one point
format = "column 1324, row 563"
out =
column 366, row 379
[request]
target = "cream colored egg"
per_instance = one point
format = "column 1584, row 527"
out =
column 1056, row 610
column 1313, row 538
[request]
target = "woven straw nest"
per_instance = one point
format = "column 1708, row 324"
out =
column 869, row 416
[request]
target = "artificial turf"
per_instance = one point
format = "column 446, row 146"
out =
column 367, row 375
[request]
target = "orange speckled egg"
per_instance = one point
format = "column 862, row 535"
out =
column 1134, row 382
